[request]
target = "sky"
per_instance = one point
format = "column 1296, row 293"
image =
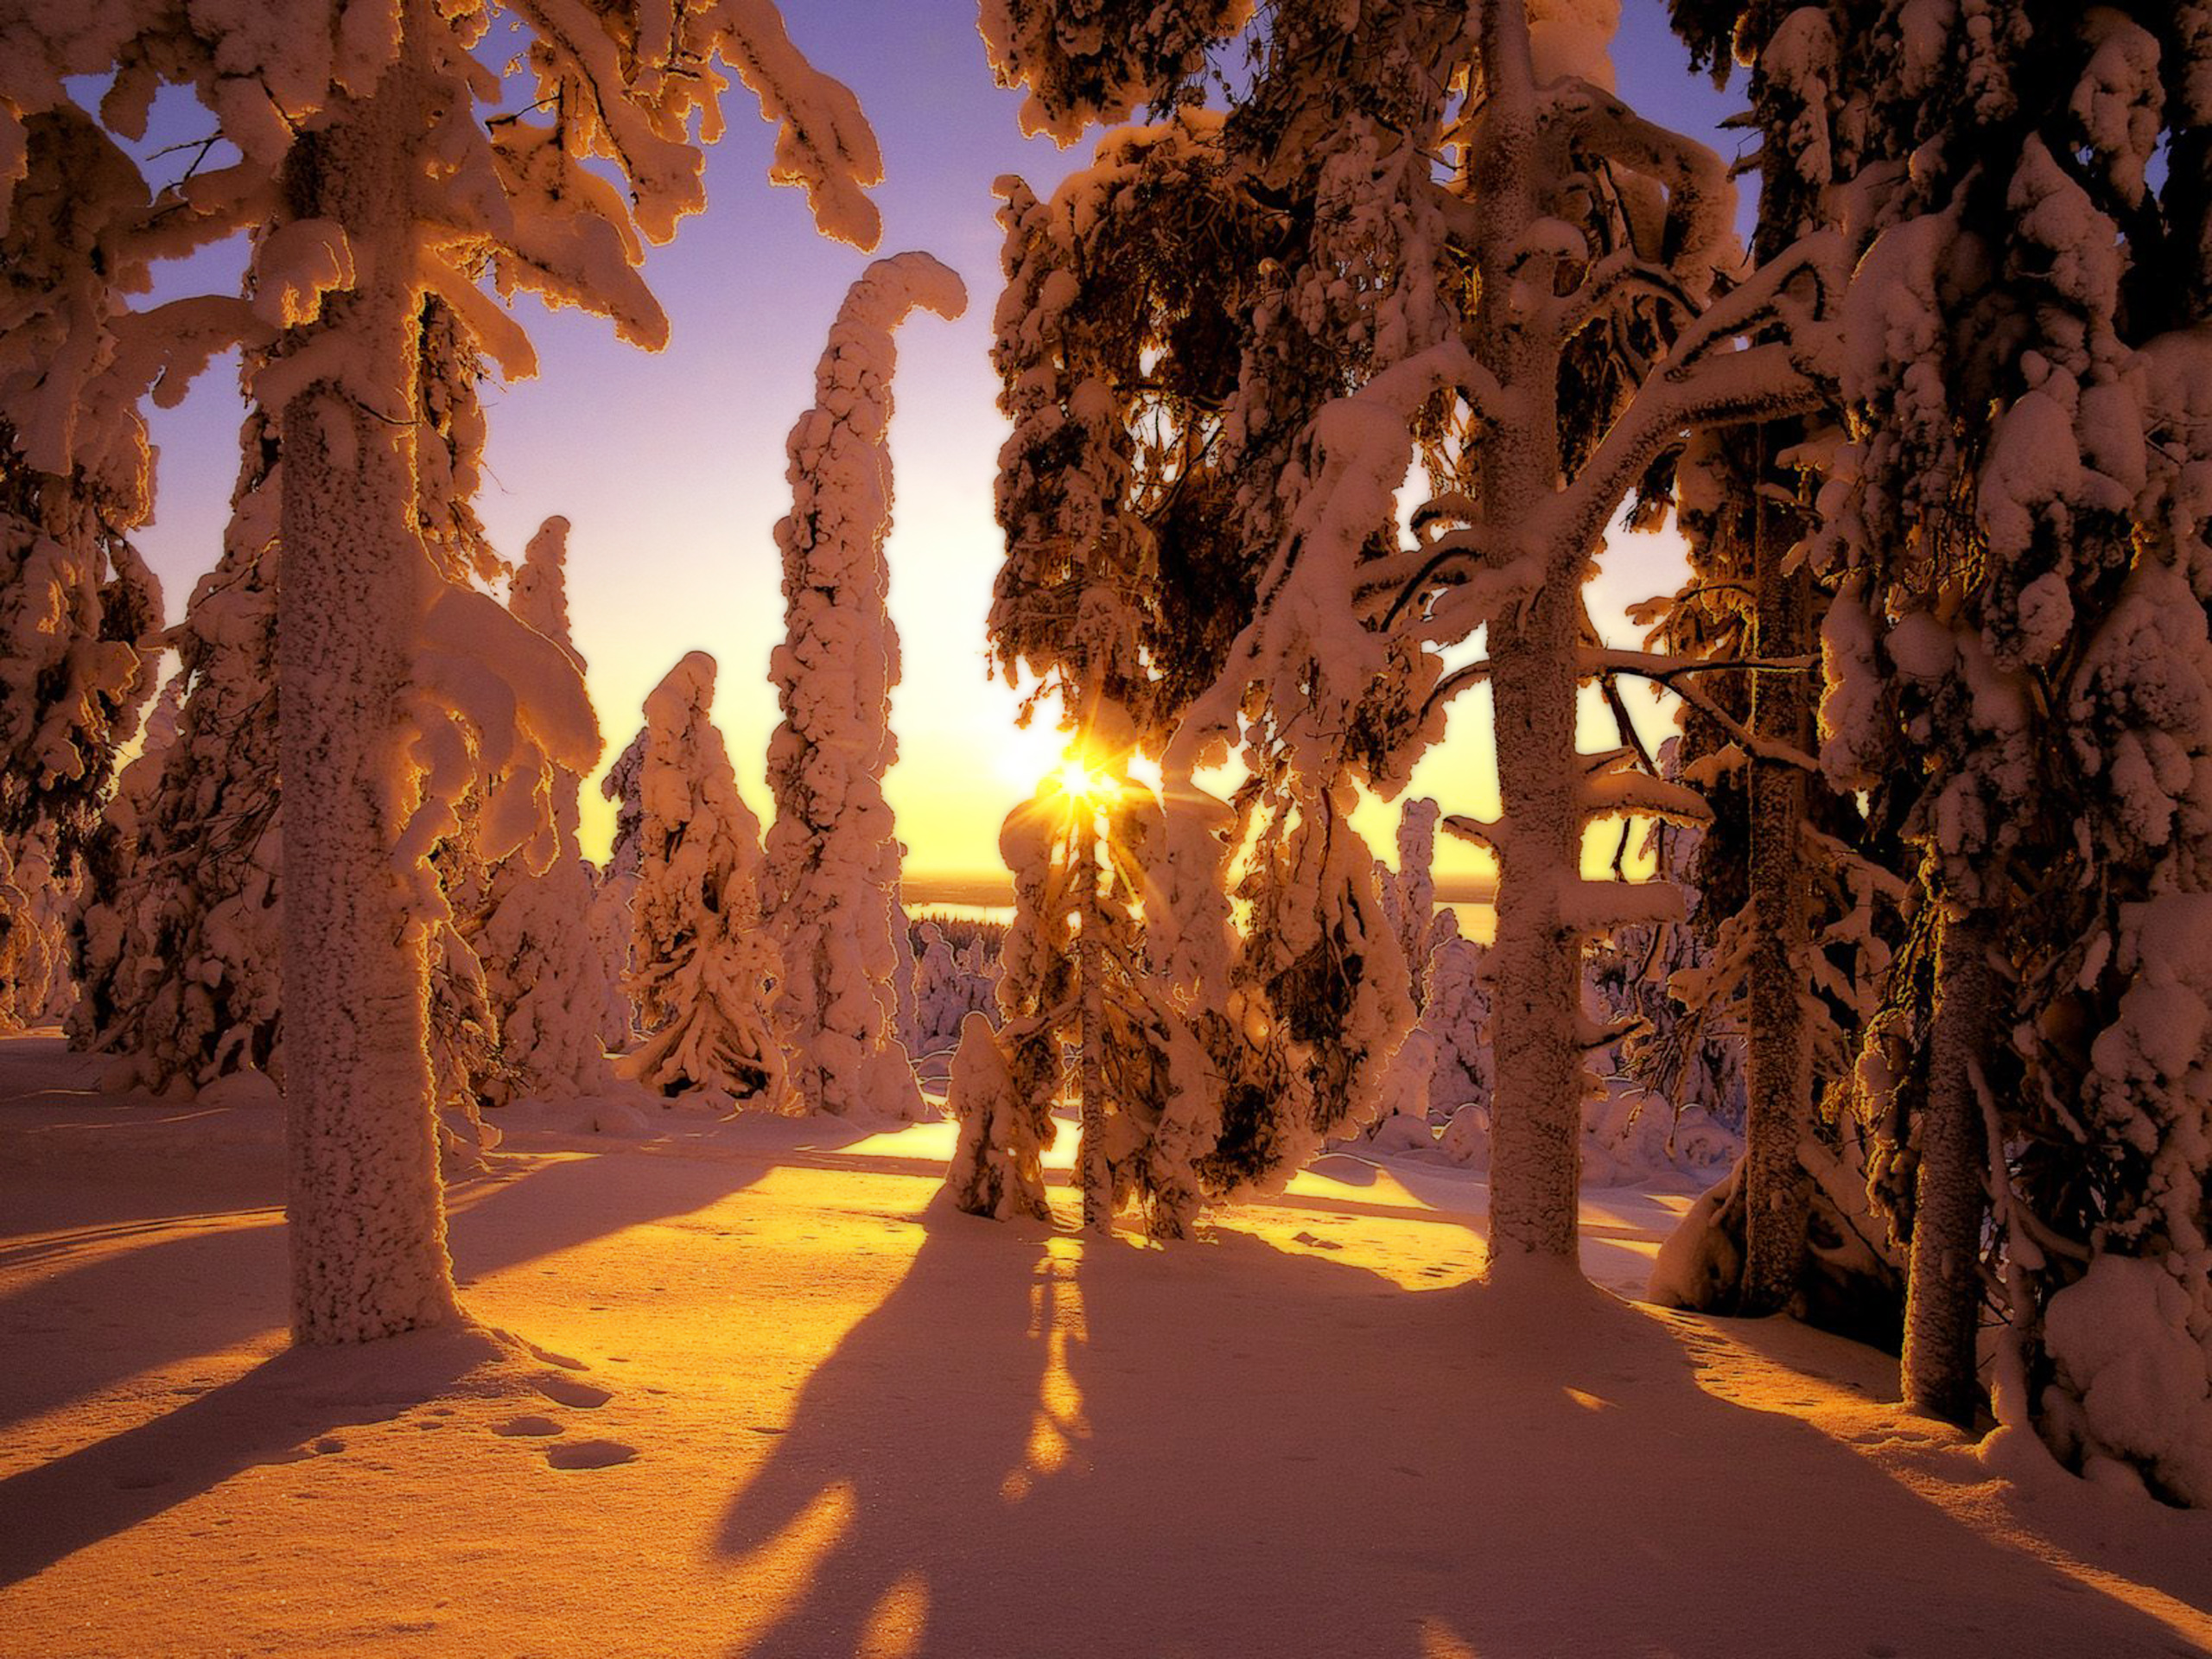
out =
column 670, row 465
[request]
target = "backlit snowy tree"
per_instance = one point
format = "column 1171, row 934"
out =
column 706, row 970
column 1072, row 979
column 833, row 852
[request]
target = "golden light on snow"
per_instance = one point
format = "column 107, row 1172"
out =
column 896, row 1624
column 1055, row 1319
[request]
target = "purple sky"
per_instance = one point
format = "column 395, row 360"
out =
column 670, row 466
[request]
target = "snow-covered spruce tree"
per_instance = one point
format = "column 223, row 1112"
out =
column 1461, row 1078
column 1072, row 977
column 2026, row 671
column 360, row 124
column 948, row 985
column 178, row 940
column 706, row 971
column 78, row 607
column 1409, row 892
column 545, row 973
column 1221, row 279
column 1121, row 584
column 612, row 922
column 1605, row 277
column 1594, row 236
column 833, row 852
column 996, row 1168
column 1799, row 885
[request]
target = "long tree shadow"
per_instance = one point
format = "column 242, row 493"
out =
column 201, row 1285
column 275, row 1412
column 1232, row 1449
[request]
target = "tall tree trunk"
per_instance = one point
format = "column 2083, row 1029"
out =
column 1090, row 964
column 1779, row 1057
column 367, row 1217
column 1942, row 1296
column 1536, row 1123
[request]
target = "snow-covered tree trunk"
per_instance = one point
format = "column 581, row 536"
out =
column 1093, row 1170
column 368, row 1226
column 1536, row 961
column 1779, row 1055
column 1943, row 1281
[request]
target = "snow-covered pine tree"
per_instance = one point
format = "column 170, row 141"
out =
column 363, row 126
column 1123, row 582
column 1799, row 886
column 706, row 971
column 1072, row 978
column 2028, row 394
column 612, row 922
column 1594, row 237
column 178, row 939
column 833, row 851
column 948, row 986
column 79, row 609
column 1605, row 277
column 996, row 1168
column 1461, row 1079
column 1409, row 892
column 546, row 973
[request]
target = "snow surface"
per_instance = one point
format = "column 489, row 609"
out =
column 780, row 1404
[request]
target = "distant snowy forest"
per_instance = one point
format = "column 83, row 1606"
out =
column 1325, row 382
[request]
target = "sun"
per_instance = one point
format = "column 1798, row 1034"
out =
column 1078, row 782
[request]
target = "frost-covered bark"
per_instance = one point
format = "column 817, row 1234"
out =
column 1943, row 1291
column 706, row 969
column 546, row 973
column 833, row 853
column 368, row 1229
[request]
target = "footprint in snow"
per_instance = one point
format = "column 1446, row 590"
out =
column 567, row 1391
column 589, row 1455
column 528, row 1424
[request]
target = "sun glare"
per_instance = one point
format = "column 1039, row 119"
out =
column 1078, row 781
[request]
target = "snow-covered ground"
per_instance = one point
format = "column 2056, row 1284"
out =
column 764, row 1398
